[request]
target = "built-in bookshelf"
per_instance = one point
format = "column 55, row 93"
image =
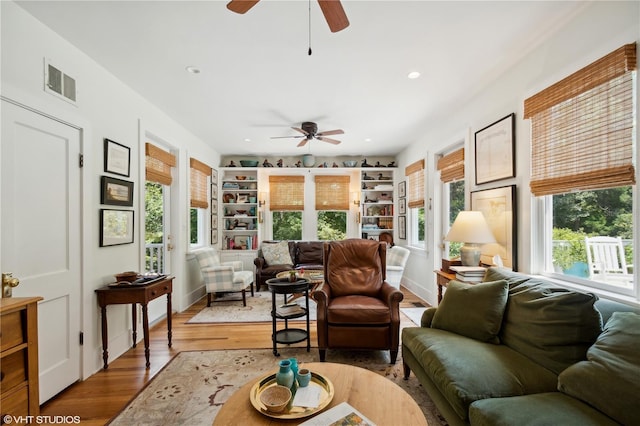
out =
column 376, row 201
column 239, row 208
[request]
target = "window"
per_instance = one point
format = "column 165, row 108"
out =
column 582, row 167
column 199, row 200
column 332, row 225
column 287, row 206
column 415, row 203
column 451, row 167
column 332, row 204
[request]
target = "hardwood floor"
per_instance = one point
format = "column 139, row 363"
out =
column 103, row 395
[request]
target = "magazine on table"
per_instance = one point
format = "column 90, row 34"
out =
column 341, row 415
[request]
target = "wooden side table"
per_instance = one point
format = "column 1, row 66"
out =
column 442, row 279
column 134, row 294
column 288, row 335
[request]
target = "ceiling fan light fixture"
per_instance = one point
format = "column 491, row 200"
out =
column 413, row 75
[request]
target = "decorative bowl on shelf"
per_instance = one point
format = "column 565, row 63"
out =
column 241, row 177
column 249, row 163
column 351, row 163
column 275, row 398
column 129, row 276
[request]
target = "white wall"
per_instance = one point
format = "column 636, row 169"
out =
column 599, row 28
column 106, row 108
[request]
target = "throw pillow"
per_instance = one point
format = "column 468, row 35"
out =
column 472, row 310
column 610, row 378
column 277, row 254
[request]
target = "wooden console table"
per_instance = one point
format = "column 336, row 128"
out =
column 134, row 294
column 442, row 279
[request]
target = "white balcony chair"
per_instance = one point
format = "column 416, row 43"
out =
column 220, row 278
column 605, row 257
column 396, row 260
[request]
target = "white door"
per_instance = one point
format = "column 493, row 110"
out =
column 40, row 225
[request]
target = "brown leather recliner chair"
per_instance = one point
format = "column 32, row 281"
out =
column 357, row 308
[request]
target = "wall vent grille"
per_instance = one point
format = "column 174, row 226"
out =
column 58, row 83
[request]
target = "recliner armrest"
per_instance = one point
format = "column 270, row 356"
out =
column 391, row 295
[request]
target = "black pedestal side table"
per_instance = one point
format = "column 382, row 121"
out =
column 289, row 335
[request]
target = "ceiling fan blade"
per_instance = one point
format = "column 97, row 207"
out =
column 333, row 141
column 241, row 6
column 303, row 142
column 304, row 132
column 334, row 15
column 287, row 137
column 332, row 132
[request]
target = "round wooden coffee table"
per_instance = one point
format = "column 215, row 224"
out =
column 378, row 398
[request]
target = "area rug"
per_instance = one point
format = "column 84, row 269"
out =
column 258, row 309
column 194, row 385
column 414, row 314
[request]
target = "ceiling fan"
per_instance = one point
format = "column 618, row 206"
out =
column 331, row 9
column 309, row 131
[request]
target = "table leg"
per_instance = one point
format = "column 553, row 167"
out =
column 273, row 323
column 306, row 295
column 105, row 337
column 145, row 325
column 134, row 326
column 169, row 318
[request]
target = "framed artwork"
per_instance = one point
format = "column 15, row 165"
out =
column 214, row 221
column 116, row 192
column 214, row 237
column 402, row 189
column 214, row 191
column 116, row 227
column 498, row 206
column 214, row 177
column 402, row 206
column 117, row 158
column 495, row 151
column 402, row 227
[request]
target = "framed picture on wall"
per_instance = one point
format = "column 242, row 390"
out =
column 116, row 227
column 495, row 151
column 214, row 177
column 402, row 227
column 116, row 192
column 214, row 221
column 402, row 189
column 214, row 237
column 402, row 206
column 498, row 206
column 117, row 158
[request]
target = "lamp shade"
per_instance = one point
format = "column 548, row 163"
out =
column 470, row 227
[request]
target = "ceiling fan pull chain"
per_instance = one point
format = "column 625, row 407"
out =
column 310, row 28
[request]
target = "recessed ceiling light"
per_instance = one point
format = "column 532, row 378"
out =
column 192, row 69
column 247, row 140
column 413, row 75
column 367, row 140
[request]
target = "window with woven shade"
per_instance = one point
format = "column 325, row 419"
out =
column 286, row 193
column 582, row 128
column 332, row 192
column 199, row 172
column 451, row 166
column 158, row 164
column 415, row 189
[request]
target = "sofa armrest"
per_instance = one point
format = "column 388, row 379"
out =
column 259, row 262
column 427, row 317
column 235, row 264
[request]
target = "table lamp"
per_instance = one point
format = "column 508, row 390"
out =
column 470, row 228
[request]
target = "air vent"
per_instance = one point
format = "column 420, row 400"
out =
column 58, row 83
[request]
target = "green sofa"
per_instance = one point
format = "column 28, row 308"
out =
column 518, row 350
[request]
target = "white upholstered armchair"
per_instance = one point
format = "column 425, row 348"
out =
column 396, row 260
column 227, row 277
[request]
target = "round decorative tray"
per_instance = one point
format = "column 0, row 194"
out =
column 292, row 412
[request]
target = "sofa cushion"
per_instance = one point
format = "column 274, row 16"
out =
column 473, row 311
column 277, row 253
column 542, row 409
column 610, row 378
column 309, row 253
column 466, row 370
column 551, row 325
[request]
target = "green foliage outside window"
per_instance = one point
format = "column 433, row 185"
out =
column 456, row 205
column 332, row 225
column 153, row 224
column 287, row 225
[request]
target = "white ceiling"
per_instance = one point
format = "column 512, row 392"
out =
column 257, row 79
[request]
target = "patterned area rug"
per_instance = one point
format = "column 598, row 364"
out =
column 194, row 385
column 258, row 309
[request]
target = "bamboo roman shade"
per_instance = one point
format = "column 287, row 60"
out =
column 451, row 166
column 415, row 190
column 198, row 183
column 286, row 193
column 582, row 128
column 158, row 164
column 332, row 192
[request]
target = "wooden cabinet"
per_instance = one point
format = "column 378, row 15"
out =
column 377, row 201
column 239, row 208
column 19, row 353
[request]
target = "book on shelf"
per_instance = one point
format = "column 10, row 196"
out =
column 289, row 309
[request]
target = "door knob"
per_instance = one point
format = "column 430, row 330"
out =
column 8, row 282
